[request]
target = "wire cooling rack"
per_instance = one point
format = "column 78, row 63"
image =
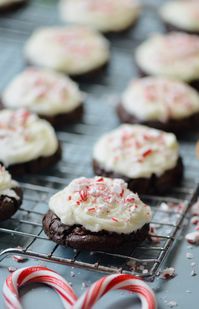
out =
column 23, row 233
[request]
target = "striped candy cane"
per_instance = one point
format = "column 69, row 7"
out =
column 69, row 299
column 40, row 275
column 117, row 282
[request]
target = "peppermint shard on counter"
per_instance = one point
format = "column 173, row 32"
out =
column 10, row 195
column 97, row 214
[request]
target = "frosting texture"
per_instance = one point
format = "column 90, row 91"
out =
column 103, row 15
column 43, row 92
column 7, row 184
column 100, row 204
column 25, row 137
column 161, row 99
column 182, row 14
column 137, row 151
column 174, row 55
column 73, row 50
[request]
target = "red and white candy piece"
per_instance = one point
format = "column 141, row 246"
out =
column 193, row 238
column 69, row 299
column 40, row 275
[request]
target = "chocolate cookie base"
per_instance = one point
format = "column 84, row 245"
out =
column 61, row 120
column 9, row 205
column 36, row 165
column 152, row 185
column 177, row 126
column 78, row 237
column 194, row 83
column 9, row 7
column 171, row 28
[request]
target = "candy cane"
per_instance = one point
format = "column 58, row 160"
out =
column 117, row 282
column 69, row 299
column 40, row 275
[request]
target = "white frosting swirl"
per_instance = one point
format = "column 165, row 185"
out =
column 7, row 184
column 25, row 137
column 160, row 99
column 182, row 14
column 100, row 204
column 72, row 50
column 174, row 55
column 137, row 151
column 103, row 15
column 43, row 92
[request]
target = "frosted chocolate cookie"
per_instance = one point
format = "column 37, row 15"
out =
column 51, row 95
column 10, row 5
column 104, row 15
column 174, row 55
column 97, row 214
column 181, row 16
column 161, row 103
column 147, row 159
column 28, row 144
column 10, row 195
column 76, row 51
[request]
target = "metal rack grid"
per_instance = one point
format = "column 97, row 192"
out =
column 25, row 228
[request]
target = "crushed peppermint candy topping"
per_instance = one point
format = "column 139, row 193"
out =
column 172, row 95
column 168, row 273
column 19, row 258
column 172, row 207
column 39, row 84
column 193, row 238
column 195, row 220
column 147, row 153
column 189, row 255
column 177, row 46
column 153, row 235
column 139, row 142
column 109, row 193
column 11, row 269
column 114, row 219
column 15, row 121
column 99, row 204
column 172, row 304
column 195, row 209
column 193, row 273
column 78, row 40
column 197, row 227
column 104, row 197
